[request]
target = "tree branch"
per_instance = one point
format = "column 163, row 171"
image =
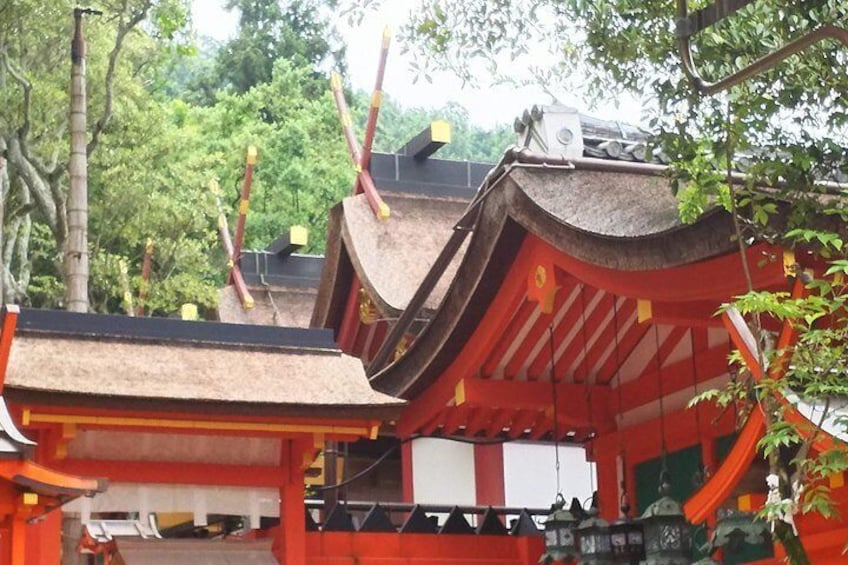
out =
column 26, row 85
column 123, row 29
column 43, row 192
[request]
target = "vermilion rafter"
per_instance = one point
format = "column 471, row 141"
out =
column 500, row 420
column 522, row 421
column 434, row 423
column 598, row 314
column 626, row 347
column 624, row 319
column 480, row 417
column 509, row 337
column 536, row 360
column 502, row 369
column 597, row 341
column 568, row 335
column 456, row 418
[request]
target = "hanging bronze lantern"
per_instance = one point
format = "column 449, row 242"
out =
column 668, row 538
column 560, row 539
column 593, row 535
column 626, row 537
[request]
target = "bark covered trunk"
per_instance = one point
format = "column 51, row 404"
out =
column 76, row 245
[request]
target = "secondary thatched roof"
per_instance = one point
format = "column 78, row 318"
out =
column 273, row 306
column 282, row 381
column 394, row 255
column 199, row 552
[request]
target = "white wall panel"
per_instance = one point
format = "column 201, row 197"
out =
column 443, row 472
column 530, row 474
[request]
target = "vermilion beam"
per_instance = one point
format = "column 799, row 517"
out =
column 7, row 334
column 720, row 485
column 713, row 279
column 166, row 472
column 537, row 396
column 244, row 203
column 696, row 313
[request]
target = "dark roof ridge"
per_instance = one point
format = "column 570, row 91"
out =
column 60, row 323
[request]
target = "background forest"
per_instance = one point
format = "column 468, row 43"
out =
column 179, row 111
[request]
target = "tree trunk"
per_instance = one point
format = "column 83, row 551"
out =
column 4, row 192
column 75, row 260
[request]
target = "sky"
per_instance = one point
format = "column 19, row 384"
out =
column 486, row 106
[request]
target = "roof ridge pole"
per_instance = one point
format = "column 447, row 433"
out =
column 224, row 233
column 376, row 101
column 361, row 157
column 244, row 204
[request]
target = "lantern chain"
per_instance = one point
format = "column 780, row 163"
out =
column 695, row 391
column 624, row 503
column 556, row 407
column 661, row 401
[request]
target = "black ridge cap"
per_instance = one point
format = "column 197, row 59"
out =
column 295, row 270
column 105, row 326
column 429, row 177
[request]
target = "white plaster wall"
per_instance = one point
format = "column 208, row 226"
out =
column 530, row 474
column 201, row 500
column 443, row 472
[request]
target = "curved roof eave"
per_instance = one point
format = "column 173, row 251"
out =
column 527, row 202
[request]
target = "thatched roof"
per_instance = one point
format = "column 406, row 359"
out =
column 226, row 376
column 394, row 255
column 273, row 306
column 624, row 220
column 390, row 257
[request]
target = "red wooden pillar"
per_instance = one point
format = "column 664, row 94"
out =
column 606, row 466
column 18, row 527
column 406, row 471
column 44, row 540
column 290, row 545
column 489, row 474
